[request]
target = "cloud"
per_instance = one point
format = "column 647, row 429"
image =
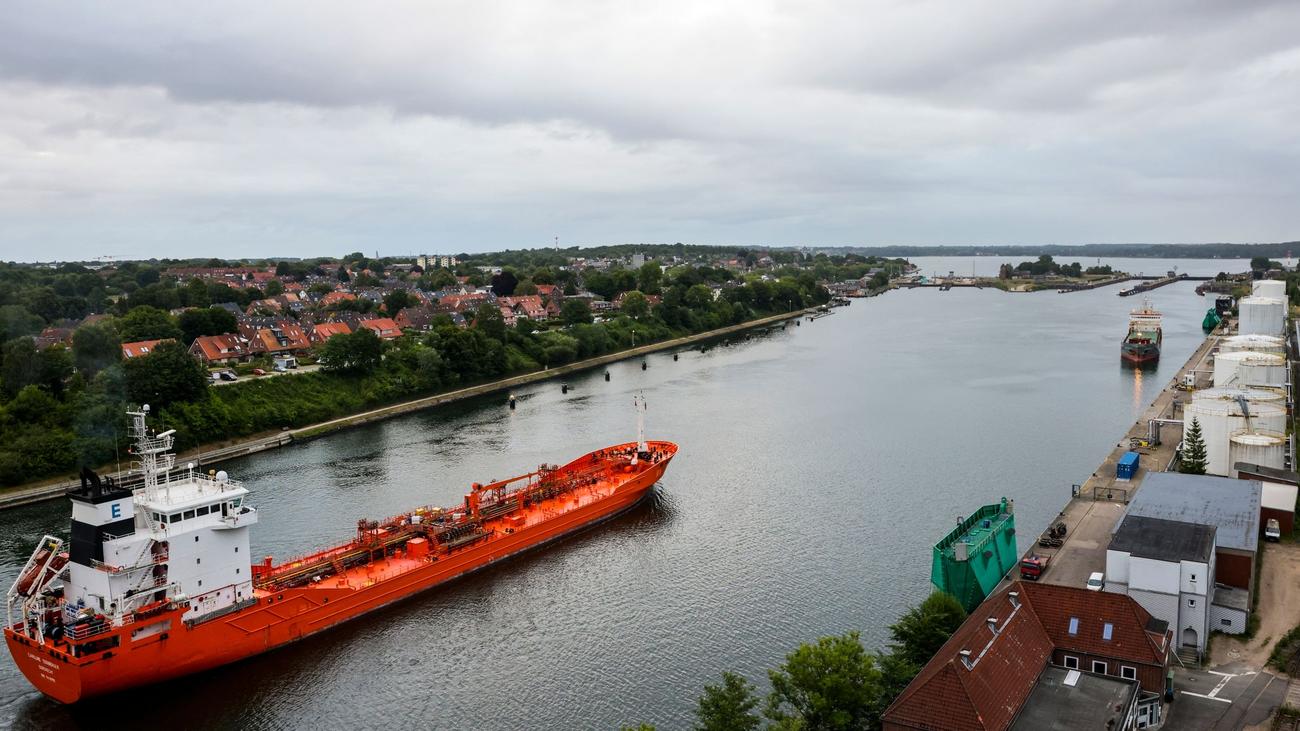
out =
column 304, row 128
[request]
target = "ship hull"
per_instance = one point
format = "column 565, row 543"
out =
column 174, row 649
column 1138, row 356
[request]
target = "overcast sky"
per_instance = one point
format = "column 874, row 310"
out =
column 304, row 129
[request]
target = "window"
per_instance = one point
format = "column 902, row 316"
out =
column 1074, row 625
column 173, row 518
column 202, row 511
column 1193, row 579
column 189, row 515
column 196, row 539
column 1107, row 630
column 1072, row 662
column 1128, row 673
column 1225, row 622
column 198, row 560
column 1191, row 603
column 236, row 549
column 1099, row 667
column 200, row 582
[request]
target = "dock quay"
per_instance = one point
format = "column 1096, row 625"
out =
column 1097, row 505
column 1067, row 288
column 1150, row 285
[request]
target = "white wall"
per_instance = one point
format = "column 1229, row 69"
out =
column 1195, row 577
column 1117, row 566
column 1147, row 574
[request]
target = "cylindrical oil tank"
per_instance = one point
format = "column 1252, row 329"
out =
column 1253, row 395
column 1264, row 448
column 1253, row 344
column 1275, row 288
column 1221, row 418
column 1261, row 315
column 1245, row 368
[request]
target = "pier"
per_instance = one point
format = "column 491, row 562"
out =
column 1150, row 285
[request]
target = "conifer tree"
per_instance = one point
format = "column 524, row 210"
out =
column 1193, row 459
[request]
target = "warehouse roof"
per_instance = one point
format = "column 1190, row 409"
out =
column 1231, row 506
column 1164, row 540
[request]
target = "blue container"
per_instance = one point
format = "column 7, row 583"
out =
column 1127, row 467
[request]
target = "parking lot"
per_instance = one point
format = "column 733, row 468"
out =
column 269, row 373
column 1228, row 697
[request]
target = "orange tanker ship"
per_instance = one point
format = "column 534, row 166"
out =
column 155, row 581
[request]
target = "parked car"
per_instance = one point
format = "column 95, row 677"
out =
column 259, row 372
column 1273, row 530
column 228, row 375
column 1096, row 581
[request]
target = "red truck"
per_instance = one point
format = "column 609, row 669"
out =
column 1032, row 566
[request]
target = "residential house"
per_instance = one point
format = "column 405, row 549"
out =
column 322, row 331
column 1167, row 566
column 415, row 318
column 141, row 347
column 281, row 339
column 547, row 290
column 1031, row 651
column 336, row 297
column 221, row 349
column 384, row 327
column 529, row 305
column 52, row 336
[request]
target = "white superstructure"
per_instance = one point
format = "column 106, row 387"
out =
column 178, row 535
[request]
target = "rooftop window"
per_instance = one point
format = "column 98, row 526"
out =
column 1074, row 625
column 1107, row 630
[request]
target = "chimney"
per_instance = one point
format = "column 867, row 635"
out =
column 965, row 659
column 993, row 624
column 1014, row 596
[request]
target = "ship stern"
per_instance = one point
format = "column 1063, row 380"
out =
column 45, row 668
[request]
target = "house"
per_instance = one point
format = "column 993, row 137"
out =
column 529, row 305
column 322, row 331
column 334, row 298
column 282, row 339
column 546, row 290
column 1167, row 566
column 141, row 347
column 1231, row 506
column 220, row 349
column 52, row 336
column 1032, row 651
column 415, row 318
column 384, row 327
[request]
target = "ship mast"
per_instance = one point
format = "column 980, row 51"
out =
column 154, row 452
column 638, row 403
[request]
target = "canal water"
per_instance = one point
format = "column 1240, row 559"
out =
column 818, row 465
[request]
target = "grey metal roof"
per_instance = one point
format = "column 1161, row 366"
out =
column 1231, row 506
column 1091, row 701
column 1164, row 540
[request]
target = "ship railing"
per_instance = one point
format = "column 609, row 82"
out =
column 106, row 567
column 86, row 629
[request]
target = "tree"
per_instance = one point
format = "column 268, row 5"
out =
column 1264, row 263
column 397, row 300
column 439, row 279
column 920, row 632
column 359, row 352
column 16, row 321
column 165, row 376
column 833, row 684
column 575, row 312
column 146, row 323
column 489, row 320
column 210, row 321
column 343, row 274
column 727, row 707
column 635, row 304
column 503, row 284
column 1193, row 457
column 274, row 288
column 94, row 348
column 649, row 276
column 196, row 294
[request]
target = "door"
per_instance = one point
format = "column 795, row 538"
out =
column 1189, row 637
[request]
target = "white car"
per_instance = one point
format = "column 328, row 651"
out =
column 1096, row 581
column 1272, row 530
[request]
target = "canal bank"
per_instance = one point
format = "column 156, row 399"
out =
column 212, row 454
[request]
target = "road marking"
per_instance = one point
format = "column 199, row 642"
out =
column 1208, row 697
column 1226, row 679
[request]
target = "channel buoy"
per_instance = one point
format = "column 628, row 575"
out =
column 643, row 365
column 607, row 376
column 512, row 402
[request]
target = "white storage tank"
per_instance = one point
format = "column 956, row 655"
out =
column 1261, row 316
column 1253, row 344
column 1254, row 395
column 1221, row 418
column 1275, row 288
column 1245, row 368
column 1264, row 448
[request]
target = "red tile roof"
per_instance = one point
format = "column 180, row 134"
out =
column 986, row 689
column 384, row 327
column 141, row 347
column 219, row 347
column 323, row 331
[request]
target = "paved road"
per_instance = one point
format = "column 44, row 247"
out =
column 1226, row 698
column 270, row 374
